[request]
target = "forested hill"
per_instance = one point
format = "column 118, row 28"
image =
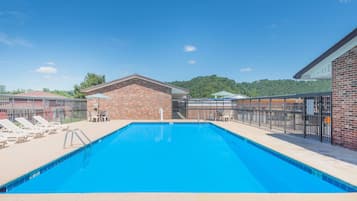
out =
column 204, row 86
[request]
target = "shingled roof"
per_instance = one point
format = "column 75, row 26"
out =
column 175, row 89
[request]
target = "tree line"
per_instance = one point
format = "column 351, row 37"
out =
column 204, row 86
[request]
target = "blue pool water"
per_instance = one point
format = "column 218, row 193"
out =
column 180, row 157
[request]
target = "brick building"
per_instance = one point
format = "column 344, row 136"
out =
column 136, row 97
column 339, row 63
column 51, row 106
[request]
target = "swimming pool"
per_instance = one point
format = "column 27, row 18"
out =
column 178, row 157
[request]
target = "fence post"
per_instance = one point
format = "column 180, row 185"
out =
column 259, row 112
column 294, row 117
column 32, row 107
column 72, row 115
column 331, row 118
column 242, row 111
column 44, row 108
column 284, row 114
column 250, row 111
column 12, row 108
column 270, row 114
column 304, row 117
column 320, row 118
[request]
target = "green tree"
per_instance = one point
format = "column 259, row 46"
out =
column 90, row 79
column 18, row 91
column 2, row 89
column 204, row 86
column 68, row 94
column 46, row 90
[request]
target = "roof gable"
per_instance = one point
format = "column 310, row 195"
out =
column 321, row 66
column 174, row 89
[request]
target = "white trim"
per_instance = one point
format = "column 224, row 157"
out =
column 323, row 70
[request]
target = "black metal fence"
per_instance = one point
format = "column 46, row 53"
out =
column 64, row 110
column 179, row 108
column 209, row 109
column 307, row 115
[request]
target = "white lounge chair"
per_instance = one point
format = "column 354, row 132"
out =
column 11, row 127
column 26, row 124
column 17, row 137
column 56, row 125
column 3, row 141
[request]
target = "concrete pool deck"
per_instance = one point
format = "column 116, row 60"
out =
column 19, row 159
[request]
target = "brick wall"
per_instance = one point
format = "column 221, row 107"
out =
column 135, row 99
column 344, row 99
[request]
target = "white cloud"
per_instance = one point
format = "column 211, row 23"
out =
column 190, row 48
column 344, row 1
column 58, row 78
column 191, row 62
column 46, row 70
column 10, row 41
column 244, row 70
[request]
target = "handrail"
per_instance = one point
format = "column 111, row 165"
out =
column 77, row 133
column 79, row 130
column 180, row 115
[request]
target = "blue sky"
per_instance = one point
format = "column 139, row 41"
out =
column 54, row 44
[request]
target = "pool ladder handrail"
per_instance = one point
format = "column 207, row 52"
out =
column 82, row 137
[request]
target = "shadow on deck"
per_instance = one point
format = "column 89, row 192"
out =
column 323, row 148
